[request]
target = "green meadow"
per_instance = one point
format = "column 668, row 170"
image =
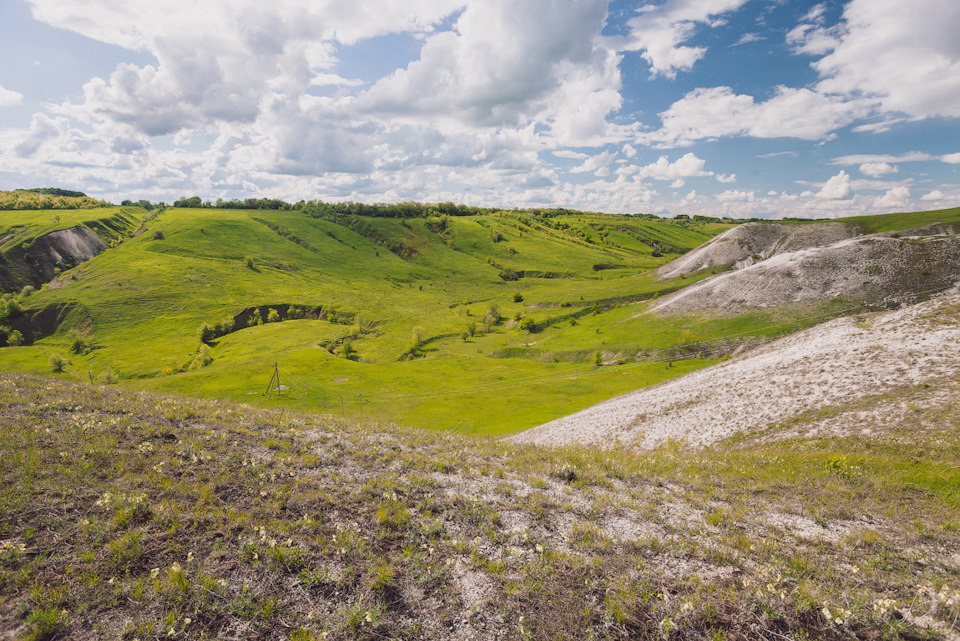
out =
column 483, row 324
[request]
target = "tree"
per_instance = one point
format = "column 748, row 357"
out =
column 273, row 316
column 15, row 338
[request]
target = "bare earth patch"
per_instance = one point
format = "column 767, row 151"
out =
column 833, row 364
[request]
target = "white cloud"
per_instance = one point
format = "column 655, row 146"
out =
column 659, row 32
column 494, row 70
column 723, row 178
column 10, row 98
column 678, row 183
column 598, row 165
column 687, row 166
column 936, row 194
column 904, row 56
column 953, row 159
column 837, row 188
column 877, row 169
column 859, row 159
column 896, row 197
column 629, row 150
column 736, row 195
column 748, row 38
column 810, row 36
column 719, row 112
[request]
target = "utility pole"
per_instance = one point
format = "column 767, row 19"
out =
column 271, row 386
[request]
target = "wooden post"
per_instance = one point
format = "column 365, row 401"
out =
column 361, row 406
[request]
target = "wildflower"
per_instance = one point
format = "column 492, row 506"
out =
column 154, row 573
column 369, row 617
column 176, row 567
column 189, row 557
column 110, row 581
column 187, row 621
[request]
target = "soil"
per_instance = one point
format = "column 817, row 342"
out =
column 65, row 248
column 877, row 269
column 832, row 365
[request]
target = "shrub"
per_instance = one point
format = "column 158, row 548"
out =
column 57, row 363
column 202, row 358
column 518, row 297
column 225, row 327
column 15, row 338
column 255, row 319
column 347, row 351
column 78, row 344
column 206, row 333
column 158, row 235
column 249, row 261
column 27, row 290
column 106, row 377
column 273, row 316
column 527, row 324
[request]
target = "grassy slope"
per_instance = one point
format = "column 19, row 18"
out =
column 147, row 297
column 129, row 515
column 143, row 301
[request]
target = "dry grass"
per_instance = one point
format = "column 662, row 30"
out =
column 130, row 516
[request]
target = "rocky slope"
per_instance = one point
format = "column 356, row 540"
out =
column 780, row 264
column 827, row 370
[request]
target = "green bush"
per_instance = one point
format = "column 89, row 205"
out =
column 206, row 333
column 57, row 363
column 518, row 298
column 15, row 338
column 527, row 324
column 202, row 358
column 273, row 316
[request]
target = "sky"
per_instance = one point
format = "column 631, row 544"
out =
column 741, row 108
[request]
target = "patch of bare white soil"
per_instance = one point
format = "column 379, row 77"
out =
column 811, row 264
column 828, row 366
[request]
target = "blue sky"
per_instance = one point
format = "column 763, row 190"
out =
column 765, row 108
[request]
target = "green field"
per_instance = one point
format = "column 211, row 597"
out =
column 483, row 324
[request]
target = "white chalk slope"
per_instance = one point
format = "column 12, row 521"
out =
column 833, row 364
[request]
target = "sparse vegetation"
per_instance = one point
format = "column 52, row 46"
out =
column 217, row 520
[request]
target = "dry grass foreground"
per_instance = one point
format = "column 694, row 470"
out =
column 136, row 516
column 840, row 377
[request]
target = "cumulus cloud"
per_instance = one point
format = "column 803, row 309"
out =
column 687, row 166
column 953, row 159
column 837, row 188
column 659, row 31
column 9, row 98
column 493, row 70
column 896, row 197
column 736, row 195
column 598, row 165
column 936, row 194
column 877, row 169
column 904, row 56
column 719, row 112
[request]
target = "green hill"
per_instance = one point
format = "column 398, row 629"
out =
column 486, row 323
